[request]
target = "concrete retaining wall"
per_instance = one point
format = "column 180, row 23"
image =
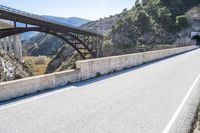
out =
column 85, row 70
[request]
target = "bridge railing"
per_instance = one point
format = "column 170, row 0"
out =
column 19, row 12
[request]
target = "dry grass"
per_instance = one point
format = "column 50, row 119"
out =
column 41, row 60
column 39, row 64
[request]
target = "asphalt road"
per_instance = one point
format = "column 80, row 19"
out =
column 146, row 99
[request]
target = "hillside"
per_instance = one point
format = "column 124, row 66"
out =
column 102, row 26
column 148, row 24
column 41, row 44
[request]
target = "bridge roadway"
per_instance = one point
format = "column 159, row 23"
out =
column 155, row 98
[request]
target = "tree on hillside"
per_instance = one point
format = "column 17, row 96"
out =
column 143, row 22
column 182, row 22
column 164, row 18
column 125, row 34
column 137, row 3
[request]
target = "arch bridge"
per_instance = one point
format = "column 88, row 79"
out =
column 83, row 41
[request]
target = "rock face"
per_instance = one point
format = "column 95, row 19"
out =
column 193, row 16
column 11, row 68
column 60, row 59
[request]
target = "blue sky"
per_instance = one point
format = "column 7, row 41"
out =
column 89, row 9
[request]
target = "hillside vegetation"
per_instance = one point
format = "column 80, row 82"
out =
column 148, row 24
column 37, row 64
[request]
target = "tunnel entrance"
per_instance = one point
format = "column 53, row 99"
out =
column 196, row 37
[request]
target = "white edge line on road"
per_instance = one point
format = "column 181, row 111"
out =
column 174, row 117
column 36, row 97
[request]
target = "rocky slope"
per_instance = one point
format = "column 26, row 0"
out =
column 60, row 61
column 102, row 26
column 11, row 68
column 42, row 44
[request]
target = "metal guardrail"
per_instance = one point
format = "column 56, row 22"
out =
column 38, row 17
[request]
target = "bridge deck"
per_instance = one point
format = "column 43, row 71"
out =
column 28, row 18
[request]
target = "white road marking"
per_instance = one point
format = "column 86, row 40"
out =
column 37, row 97
column 174, row 117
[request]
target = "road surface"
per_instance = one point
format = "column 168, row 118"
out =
column 160, row 97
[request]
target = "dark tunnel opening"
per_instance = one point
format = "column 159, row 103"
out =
column 197, row 39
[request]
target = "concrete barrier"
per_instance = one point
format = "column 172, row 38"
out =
column 90, row 68
column 18, row 88
column 85, row 70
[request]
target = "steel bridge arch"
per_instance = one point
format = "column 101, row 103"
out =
column 70, row 38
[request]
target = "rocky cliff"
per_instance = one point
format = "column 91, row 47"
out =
column 11, row 68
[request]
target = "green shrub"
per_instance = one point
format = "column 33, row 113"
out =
column 98, row 74
column 182, row 22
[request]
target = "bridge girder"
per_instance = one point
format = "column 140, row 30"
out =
column 83, row 44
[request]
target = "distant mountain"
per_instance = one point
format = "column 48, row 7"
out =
column 73, row 21
column 28, row 35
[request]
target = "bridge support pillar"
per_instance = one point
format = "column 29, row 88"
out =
column 17, row 47
column 10, row 43
column 1, row 44
column 5, row 44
